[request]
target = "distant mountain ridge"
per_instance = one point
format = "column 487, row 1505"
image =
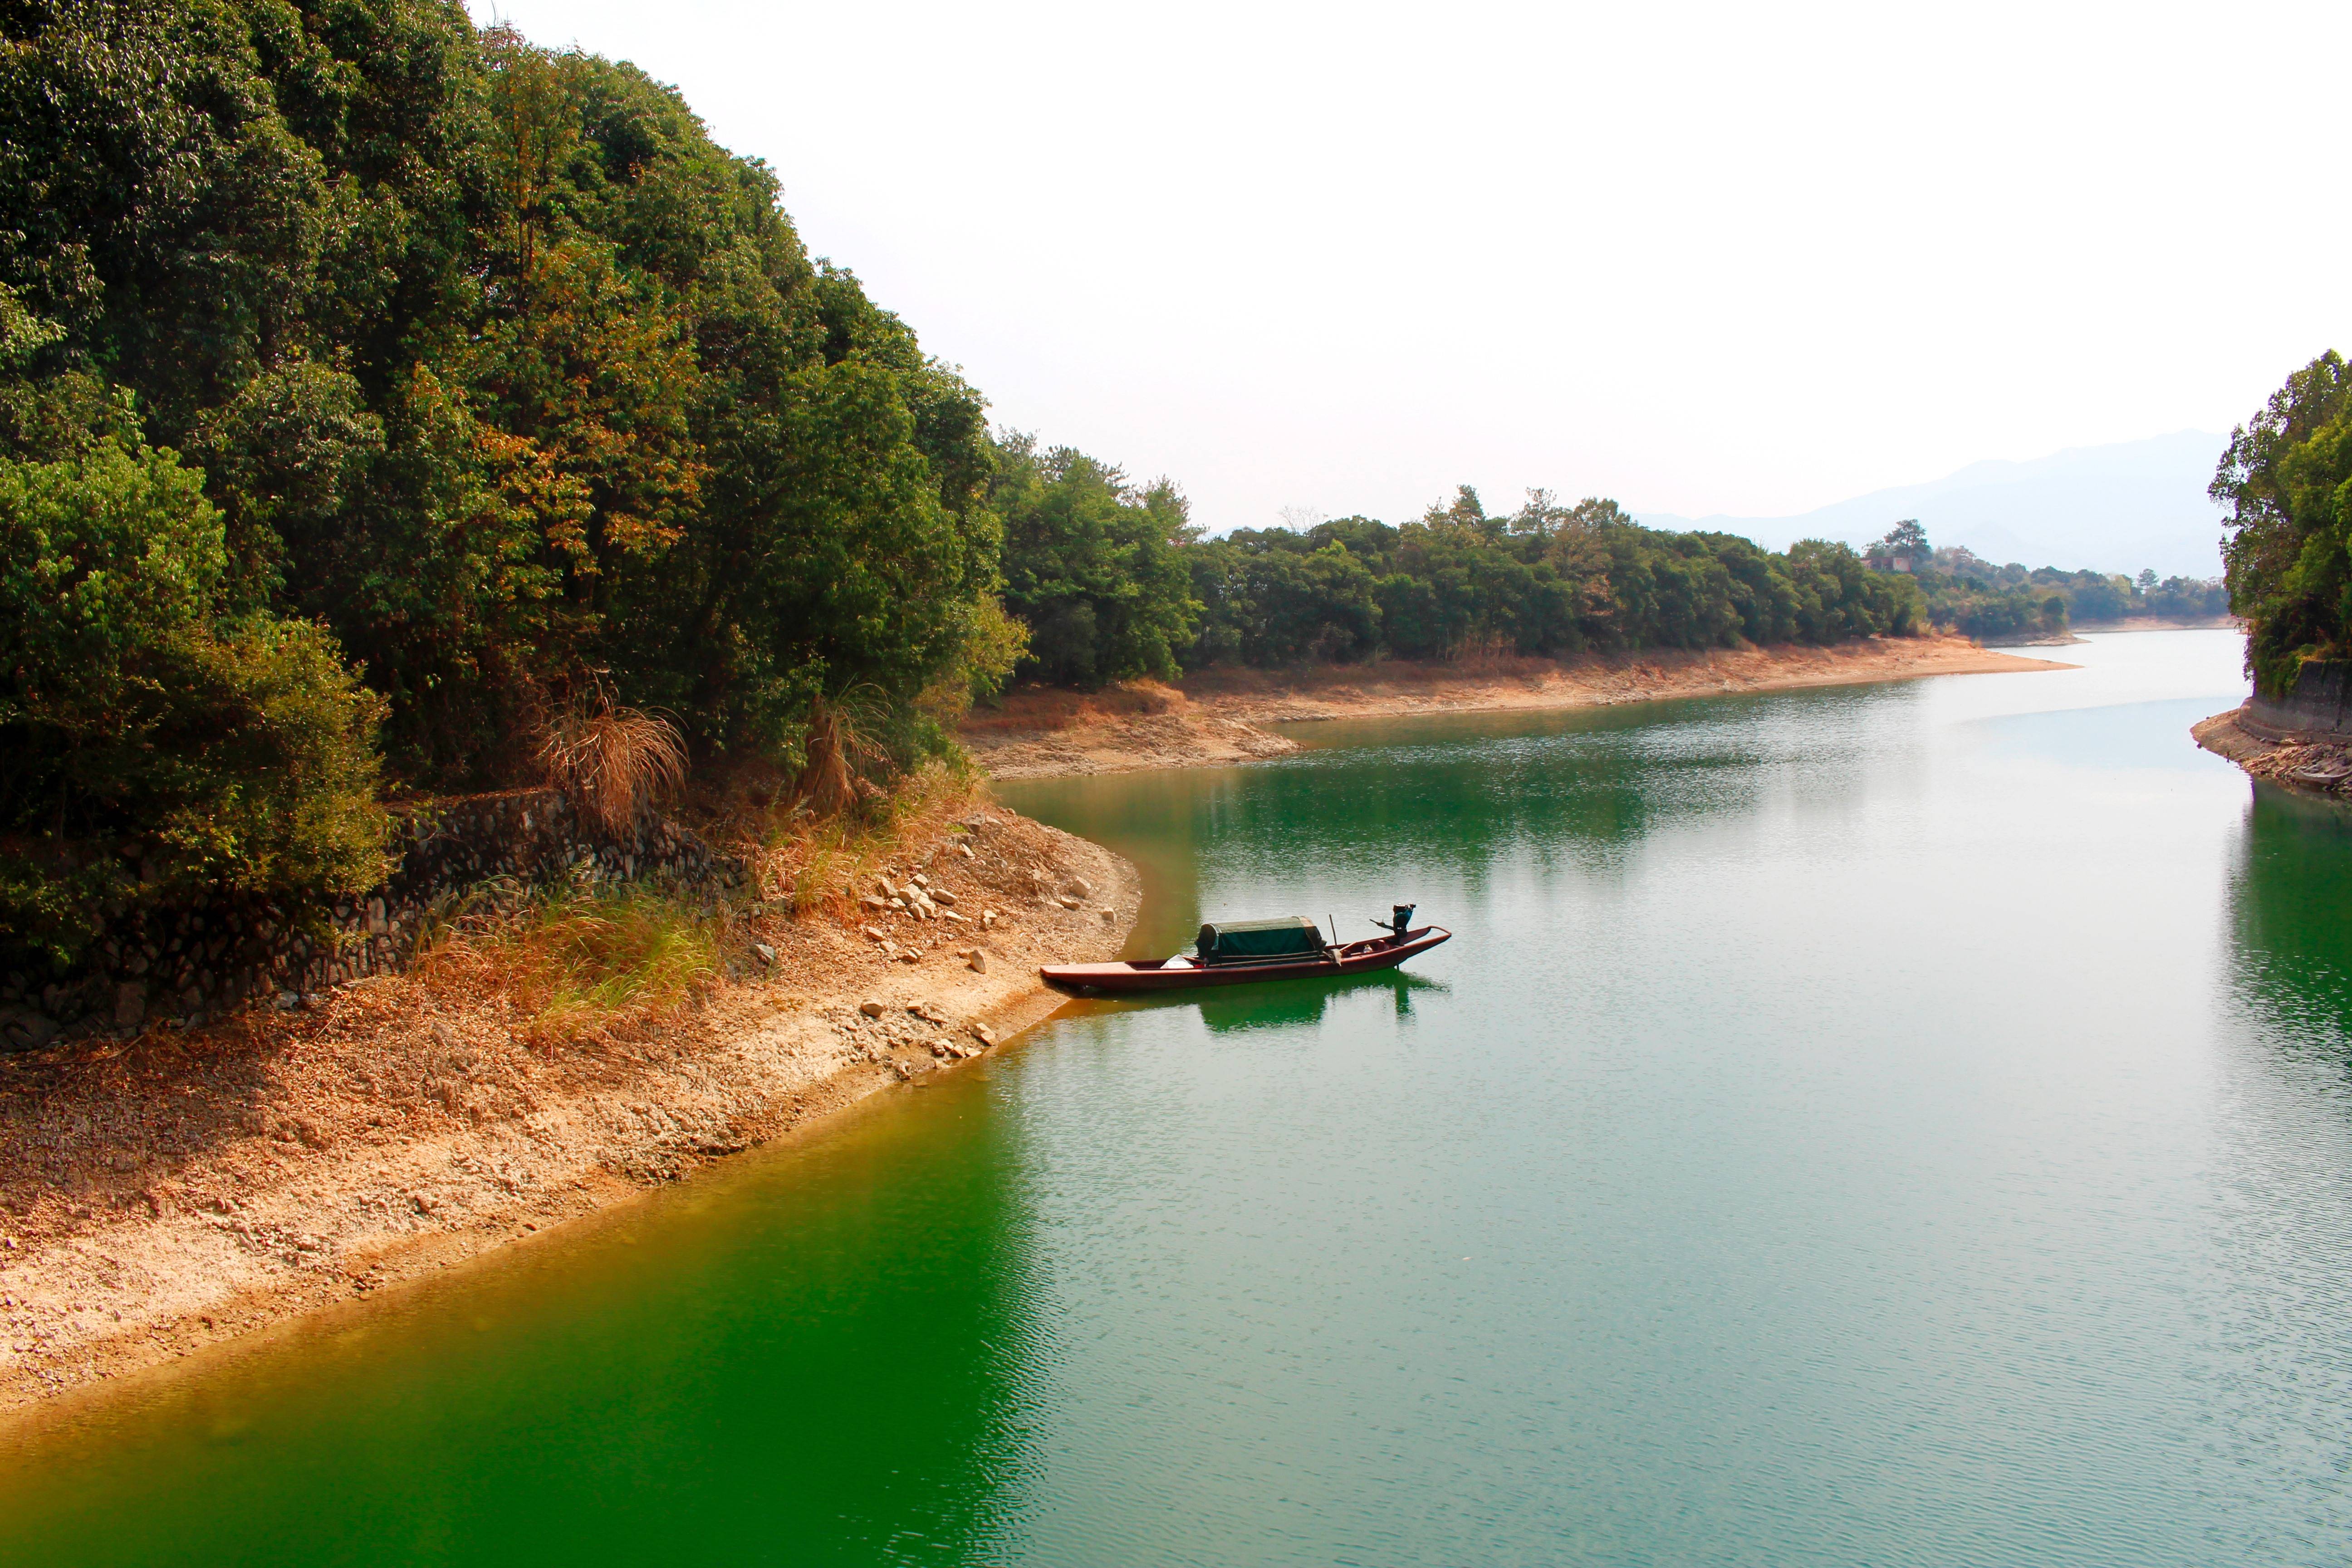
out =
column 2117, row 508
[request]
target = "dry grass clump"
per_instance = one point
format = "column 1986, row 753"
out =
column 840, row 750
column 580, row 961
column 613, row 763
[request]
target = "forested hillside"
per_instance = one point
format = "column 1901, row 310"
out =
column 387, row 404
column 367, row 375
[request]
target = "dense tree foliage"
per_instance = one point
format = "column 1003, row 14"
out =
column 2095, row 598
column 501, row 382
column 495, row 366
column 369, row 380
column 1545, row 579
column 1093, row 566
column 2287, row 478
column 1964, row 593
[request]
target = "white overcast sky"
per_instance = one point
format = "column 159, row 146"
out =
column 1734, row 258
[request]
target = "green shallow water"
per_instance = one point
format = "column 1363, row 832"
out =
column 1892, row 1125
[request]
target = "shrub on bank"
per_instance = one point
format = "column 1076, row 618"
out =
column 153, row 741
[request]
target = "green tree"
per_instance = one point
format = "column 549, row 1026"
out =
column 1906, row 542
column 1276, row 597
column 1093, row 566
column 2287, row 478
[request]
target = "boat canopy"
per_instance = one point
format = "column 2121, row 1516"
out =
column 1226, row 942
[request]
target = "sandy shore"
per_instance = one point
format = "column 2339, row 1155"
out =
column 1220, row 717
column 181, row 1190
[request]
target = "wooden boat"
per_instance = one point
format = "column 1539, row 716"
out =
column 1181, row 973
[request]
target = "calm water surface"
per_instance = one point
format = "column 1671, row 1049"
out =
column 1893, row 1125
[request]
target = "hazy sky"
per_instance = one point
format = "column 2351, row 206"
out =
column 1705, row 258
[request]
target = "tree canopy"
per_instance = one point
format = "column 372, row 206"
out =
column 495, row 366
column 2287, row 478
column 409, row 355
column 1092, row 565
column 1544, row 579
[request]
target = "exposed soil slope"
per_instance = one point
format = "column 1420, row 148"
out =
column 182, row 1189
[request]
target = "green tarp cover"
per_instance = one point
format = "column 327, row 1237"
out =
column 1286, row 938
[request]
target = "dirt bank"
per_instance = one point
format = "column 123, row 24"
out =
column 1218, row 717
column 2166, row 624
column 2309, row 765
column 182, row 1189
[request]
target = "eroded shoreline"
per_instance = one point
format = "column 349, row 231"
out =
column 1220, row 718
column 2307, row 765
column 182, row 1191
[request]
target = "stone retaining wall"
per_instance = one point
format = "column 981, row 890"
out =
column 187, row 964
column 2320, row 704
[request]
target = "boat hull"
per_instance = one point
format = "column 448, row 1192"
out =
column 1149, row 976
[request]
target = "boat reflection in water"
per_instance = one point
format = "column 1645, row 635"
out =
column 1300, row 1003
column 1287, row 1005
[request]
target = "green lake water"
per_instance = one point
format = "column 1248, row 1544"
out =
column 1888, row 1125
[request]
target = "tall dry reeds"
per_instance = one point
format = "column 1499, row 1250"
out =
column 839, row 749
column 612, row 763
